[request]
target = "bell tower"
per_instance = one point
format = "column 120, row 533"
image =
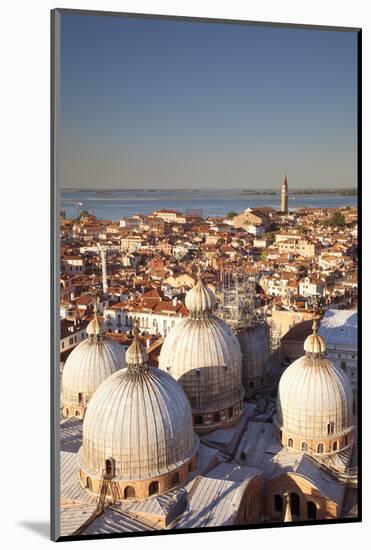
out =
column 284, row 196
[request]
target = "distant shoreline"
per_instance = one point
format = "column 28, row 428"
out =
column 339, row 192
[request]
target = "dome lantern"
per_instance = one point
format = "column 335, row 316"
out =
column 200, row 300
column 95, row 327
column 315, row 344
column 136, row 355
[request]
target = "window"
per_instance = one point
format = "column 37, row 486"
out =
column 346, row 439
column 216, row 417
column 62, row 345
column 290, row 442
column 77, row 413
column 230, row 412
column 175, row 478
column 330, row 428
column 110, row 466
column 243, row 456
column 153, row 488
column 70, row 341
column 335, row 446
column 80, row 398
column 311, row 510
column 343, row 365
column 89, row 484
column 295, row 504
column 129, row 492
column 198, row 419
column 320, row 448
column 304, row 446
column 278, row 504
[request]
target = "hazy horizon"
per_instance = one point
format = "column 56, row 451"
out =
column 171, row 105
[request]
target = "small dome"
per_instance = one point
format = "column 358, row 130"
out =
column 87, row 366
column 200, row 299
column 314, row 343
column 140, row 418
column 315, row 399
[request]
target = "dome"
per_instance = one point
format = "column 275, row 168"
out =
column 315, row 402
column 204, row 355
column 200, row 300
column 91, row 362
column 141, row 421
column 254, row 343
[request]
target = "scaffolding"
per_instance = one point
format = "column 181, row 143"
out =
column 238, row 302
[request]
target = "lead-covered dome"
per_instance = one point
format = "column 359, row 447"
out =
column 139, row 425
column 315, row 402
column 254, row 343
column 204, row 355
column 87, row 366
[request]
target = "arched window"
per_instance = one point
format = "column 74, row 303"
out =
column 295, row 504
column 129, row 492
column 77, row 413
column 330, row 428
column 198, row 419
column 153, row 488
column 278, row 504
column 175, row 479
column 290, row 442
column 311, row 510
column 335, row 446
column 216, row 417
column 304, row 446
column 89, row 484
column 320, row 448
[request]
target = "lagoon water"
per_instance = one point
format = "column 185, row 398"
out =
column 112, row 205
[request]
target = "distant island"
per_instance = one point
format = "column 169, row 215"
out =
column 351, row 192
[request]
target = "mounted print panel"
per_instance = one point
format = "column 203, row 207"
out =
column 205, row 189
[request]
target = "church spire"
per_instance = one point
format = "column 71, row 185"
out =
column 284, row 196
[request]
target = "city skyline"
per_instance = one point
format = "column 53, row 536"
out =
column 164, row 104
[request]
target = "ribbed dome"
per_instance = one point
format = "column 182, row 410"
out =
column 200, row 300
column 142, row 419
column 254, row 343
column 204, row 355
column 91, row 362
column 315, row 398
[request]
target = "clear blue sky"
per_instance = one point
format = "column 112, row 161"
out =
column 173, row 104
